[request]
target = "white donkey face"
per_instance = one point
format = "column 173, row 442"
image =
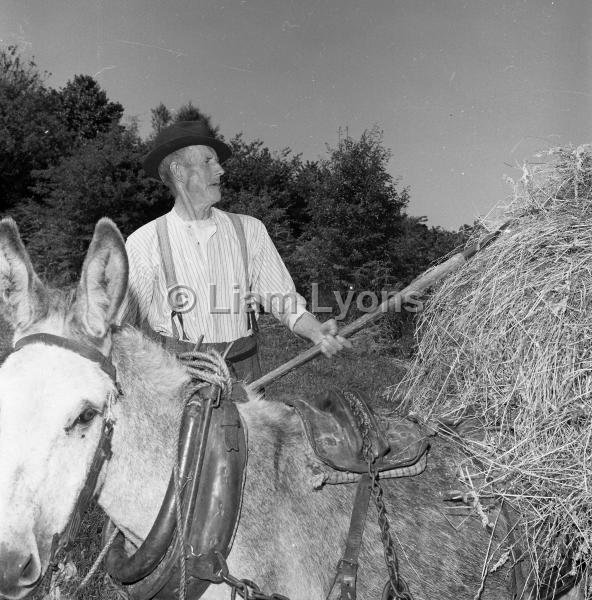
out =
column 51, row 401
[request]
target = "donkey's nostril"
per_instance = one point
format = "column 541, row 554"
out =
column 30, row 571
column 18, row 571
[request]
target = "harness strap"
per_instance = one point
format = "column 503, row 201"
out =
column 166, row 256
column 347, row 568
column 103, row 454
column 82, row 349
column 242, row 240
column 61, row 544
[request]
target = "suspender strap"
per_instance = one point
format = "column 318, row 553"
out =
column 168, row 266
column 166, row 255
column 242, row 240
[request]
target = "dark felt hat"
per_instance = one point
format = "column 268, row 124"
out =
column 179, row 135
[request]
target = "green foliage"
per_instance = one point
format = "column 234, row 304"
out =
column 86, row 109
column 18, row 73
column 32, row 133
column 269, row 186
column 160, row 117
column 418, row 247
column 40, row 125
column 104, row 178
column 188, row 112
column 355, row 209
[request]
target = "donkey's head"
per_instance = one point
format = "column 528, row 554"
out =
column 50, row 398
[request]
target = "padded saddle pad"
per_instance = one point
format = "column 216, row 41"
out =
column 333, row 432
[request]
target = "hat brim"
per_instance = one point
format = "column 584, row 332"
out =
column 153, row 159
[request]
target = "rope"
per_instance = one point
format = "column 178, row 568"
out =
column 181, row 535
column 98, row 560
column 208, row 367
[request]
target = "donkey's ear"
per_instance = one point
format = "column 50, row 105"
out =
column 103, row 282
column 22, row 293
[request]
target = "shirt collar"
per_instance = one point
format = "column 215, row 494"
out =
column 174, row 217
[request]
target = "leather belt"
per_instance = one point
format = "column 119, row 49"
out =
column 241, row 349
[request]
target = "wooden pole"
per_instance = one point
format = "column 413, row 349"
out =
column 415, row 288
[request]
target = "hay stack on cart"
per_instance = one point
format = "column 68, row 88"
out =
column 508, row 340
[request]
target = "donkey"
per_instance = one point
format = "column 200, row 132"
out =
column 289, row 538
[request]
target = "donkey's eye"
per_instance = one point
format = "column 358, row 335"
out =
column 83, row 419
column 86, row 416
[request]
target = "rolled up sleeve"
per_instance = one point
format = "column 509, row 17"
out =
column 272, row 284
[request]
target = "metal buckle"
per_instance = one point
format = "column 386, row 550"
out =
column 347, row 571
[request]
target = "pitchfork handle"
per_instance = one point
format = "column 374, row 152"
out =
column 415, row 288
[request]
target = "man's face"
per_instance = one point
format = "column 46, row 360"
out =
column 202, row 173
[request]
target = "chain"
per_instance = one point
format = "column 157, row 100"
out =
column 396, row 587
column 245, row 588
column 249, row 590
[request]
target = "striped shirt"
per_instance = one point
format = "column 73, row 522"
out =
column 209, row 269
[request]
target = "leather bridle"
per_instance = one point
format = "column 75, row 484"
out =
column 223, row 457
column 62, row 542
column 79, row 348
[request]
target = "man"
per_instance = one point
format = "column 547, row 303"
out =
column 191, row 270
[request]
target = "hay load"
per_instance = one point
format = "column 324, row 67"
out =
column 508, row 340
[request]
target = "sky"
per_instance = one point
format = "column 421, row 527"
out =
column 464, row 91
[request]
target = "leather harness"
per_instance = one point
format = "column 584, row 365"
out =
column 213, row 478
column 212, row 458
column 211, row 467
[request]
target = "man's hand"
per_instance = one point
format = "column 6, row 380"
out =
column 324, row 334
column 331, row 342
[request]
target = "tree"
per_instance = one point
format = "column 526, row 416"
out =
column 86, row 109
column 39, row 125
column 103, row 178
column 271, row 186
column 17, row 73
column 32, row 132
column 418, row 247
column 160, row 117
column 188, row 112
column 355, row 210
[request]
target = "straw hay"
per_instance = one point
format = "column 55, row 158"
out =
column 508, row 339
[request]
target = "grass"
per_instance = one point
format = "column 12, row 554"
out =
column 364, row 367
